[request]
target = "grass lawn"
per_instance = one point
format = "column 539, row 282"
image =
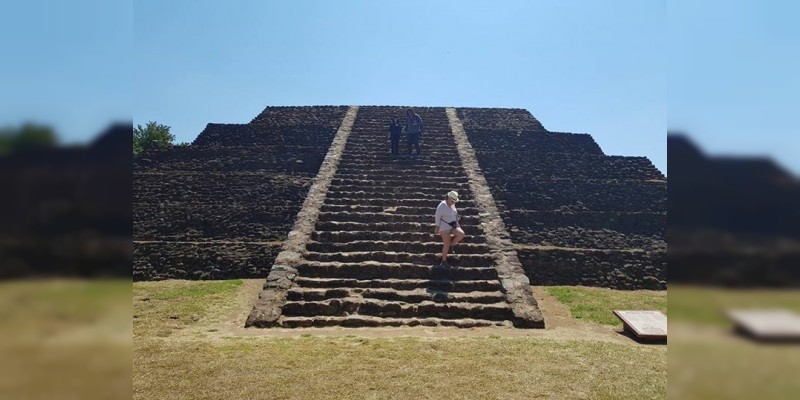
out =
column 596, row 304
column 706, row 305
column 396, row 368
column 708, row 361
column 182, row 350
column 65, row 339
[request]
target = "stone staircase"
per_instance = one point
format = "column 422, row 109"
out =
column 372, row 259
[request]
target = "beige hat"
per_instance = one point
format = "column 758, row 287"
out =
column 452, row 195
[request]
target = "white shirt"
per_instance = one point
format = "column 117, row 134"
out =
column 445, row 214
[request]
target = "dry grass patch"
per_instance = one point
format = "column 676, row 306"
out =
column 707, row 305
column 397, row 368
column 34, row 310
column 163, row 308
column 62, row 338
column 173, row 359
column 597, row 304
column 715, row 365
column 709, row 361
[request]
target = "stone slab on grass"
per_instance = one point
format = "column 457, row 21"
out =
column 644, row 324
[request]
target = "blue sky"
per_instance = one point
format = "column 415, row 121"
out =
column 66, row 64
column 725, row 70
column 578, row 66
column 734, row 76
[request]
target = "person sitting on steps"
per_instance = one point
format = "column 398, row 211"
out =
column 447, row 225
column 413, row 129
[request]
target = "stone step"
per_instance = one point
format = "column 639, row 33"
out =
column 410, row 168
column 437, row 185
column 391, row 270
column 410, row 174
column 393, row 202
column 393, row 246
column 431, row 151
column 427, row 169
column 366, row 143
column 363, row 321
column 393, row 309
column 426, row 259
column 381, row 150
column 377, row 194
column 402, row 296
column 463, row 211
column 382, row 122
column 419, row 237
column 372, row 146
column 403, row 184
column 395, row 177
column 400, row 187
column 368, row 130
column 401, row 284
column 424, row 228
column 388, row 217
column 366, row 135
column 403, row 158
column 383, row 141
column 366, row 162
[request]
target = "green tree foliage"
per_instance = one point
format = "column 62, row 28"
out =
column 151, row 135
column 27, row 137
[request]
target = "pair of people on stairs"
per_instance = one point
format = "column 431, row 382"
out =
column 447, row 224
column 413, row 128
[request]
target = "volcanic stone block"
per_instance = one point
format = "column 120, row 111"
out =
column 638, row 223
column 295, row 160
column 579, row 195
column 196, row 207
column 175, row 260
column 533, row 141
column 577, row 237
column 264, row 135
column 223, row 189
column 311, row 115
column 515, row 119
column 736, row 268
column 616, row 269
column 546, row 165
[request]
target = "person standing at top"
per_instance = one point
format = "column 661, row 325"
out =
column 413, row 129
column 447, row 225
column 394, row 134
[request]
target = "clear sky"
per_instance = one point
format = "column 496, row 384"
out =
column 579, row 66
column 66, row 64
column 734, row 76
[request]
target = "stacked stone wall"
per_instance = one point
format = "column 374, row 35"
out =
column 221, row 207
column 579, row 217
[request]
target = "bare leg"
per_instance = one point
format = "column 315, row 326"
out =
column 458, row 235
column 445, row 245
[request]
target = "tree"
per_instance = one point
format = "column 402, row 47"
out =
column 152, row 135
column 27, row 137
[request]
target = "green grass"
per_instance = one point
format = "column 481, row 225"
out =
column 65, row 339
column 397, row 368
column 706, row 305
column 173, row 361
column 597, row 304
column 708, row 361
column 162, row 308
column 725, row 368
column 33, row 309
